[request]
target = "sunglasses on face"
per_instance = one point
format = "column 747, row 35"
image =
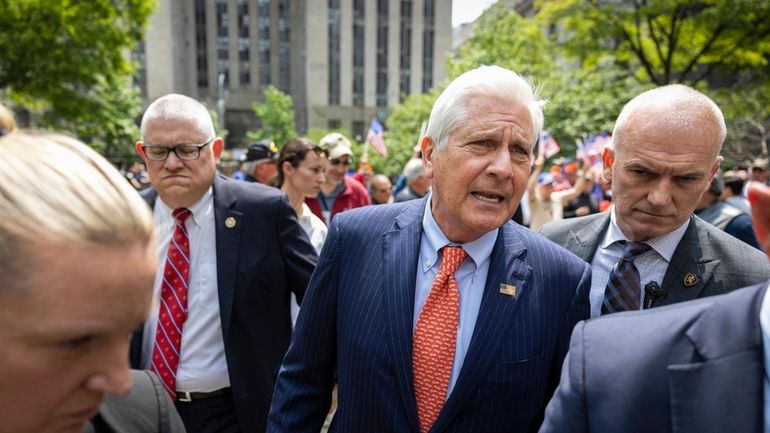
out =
column 339, row 161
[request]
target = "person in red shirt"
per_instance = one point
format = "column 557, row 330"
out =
column 339, row 192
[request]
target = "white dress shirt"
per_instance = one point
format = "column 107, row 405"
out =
column 202, row 364
column 652, row 264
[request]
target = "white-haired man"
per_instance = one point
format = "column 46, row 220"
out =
column 76, row 271
column 233, row 253
column 440, row 314
column 650, row 250
column 417, row 183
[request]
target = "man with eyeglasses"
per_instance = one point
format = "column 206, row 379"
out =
column 230, row 253
column 339, row 192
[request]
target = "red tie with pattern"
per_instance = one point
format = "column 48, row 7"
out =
column 435, row 337
column 173, row 305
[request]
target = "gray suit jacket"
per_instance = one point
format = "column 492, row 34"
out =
column 146, row 409
column 721, row 262
column 691, row 367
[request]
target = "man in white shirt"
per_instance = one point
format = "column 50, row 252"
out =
column 230, row 254
column 699, row 366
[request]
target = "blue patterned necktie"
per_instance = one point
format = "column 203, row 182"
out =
column 624, row 289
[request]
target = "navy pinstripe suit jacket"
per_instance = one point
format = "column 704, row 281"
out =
column 356, row 324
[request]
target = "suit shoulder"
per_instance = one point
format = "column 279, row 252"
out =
column 733, row 252
column 541, row 248
column 648, row 323
column 558, row 230
column 373, row 216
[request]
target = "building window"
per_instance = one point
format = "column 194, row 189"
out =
column 284, row 46
column 202, row 58
column 428, row 41
column 140, row 76
column 334, row 52
column 358, row 129
column 263, row 47
column 382, row 53
column 333, row 124
column 223, row 23
column 243, row 43
column 405, row 60
column 358, row 52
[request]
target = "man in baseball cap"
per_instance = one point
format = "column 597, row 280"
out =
column 259, row 162
column 339, row 192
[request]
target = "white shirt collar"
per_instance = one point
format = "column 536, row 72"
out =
column 664, row 245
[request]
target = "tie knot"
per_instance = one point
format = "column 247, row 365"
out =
column 633, row 250
column 453, row 257
column 181, row 214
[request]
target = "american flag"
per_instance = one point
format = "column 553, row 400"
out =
column 375, row 136
column 549, row 145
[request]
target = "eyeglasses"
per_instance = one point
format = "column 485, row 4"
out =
column 185, row 152
column 339, row 161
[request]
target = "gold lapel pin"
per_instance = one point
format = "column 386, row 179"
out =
column 507, row 289
column 690, row 279
column 230, row 222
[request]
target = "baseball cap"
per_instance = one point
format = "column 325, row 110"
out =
column 759, row 163
column 336, row 144
column 545, row 179
column 264, row 149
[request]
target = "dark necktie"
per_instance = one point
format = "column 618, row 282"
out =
column 623, row 290
column 173, row 305
column 435, row 337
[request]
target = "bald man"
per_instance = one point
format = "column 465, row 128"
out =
column 650, row 250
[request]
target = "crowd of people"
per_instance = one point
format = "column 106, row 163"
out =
column 486, row 294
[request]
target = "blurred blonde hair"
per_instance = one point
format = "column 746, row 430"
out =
column 55, row 189
column 7, row 122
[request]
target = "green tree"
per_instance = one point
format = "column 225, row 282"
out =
column 663, row 41
column 65, row 65
column 277, row 115
column 506, row 39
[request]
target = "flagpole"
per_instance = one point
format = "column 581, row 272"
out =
column 365, row 156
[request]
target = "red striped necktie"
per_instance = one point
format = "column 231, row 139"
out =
column 173, row 305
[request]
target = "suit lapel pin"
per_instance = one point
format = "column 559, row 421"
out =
column 507, row 289
column 690, row 280
column 229, row 222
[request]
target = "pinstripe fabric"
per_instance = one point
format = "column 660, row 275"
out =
column 356, row 323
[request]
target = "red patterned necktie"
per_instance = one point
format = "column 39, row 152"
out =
column 173, row 305
column 435, row 337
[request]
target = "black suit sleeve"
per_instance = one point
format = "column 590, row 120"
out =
column 298, row 254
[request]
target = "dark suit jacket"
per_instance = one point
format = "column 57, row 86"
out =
column 691, row 367
column 357, row 322
column 721, row 262
column 146, row 409
column 260, row 260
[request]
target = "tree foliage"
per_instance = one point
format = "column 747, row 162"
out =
column 65, row 64
column 664, row 41
column 277, row 115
